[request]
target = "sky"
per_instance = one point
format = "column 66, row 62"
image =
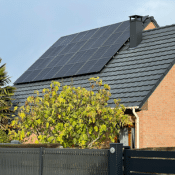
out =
column 29, row 27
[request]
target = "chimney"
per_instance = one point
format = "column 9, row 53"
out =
column 136, row 27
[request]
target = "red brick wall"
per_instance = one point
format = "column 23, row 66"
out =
column 157, row 124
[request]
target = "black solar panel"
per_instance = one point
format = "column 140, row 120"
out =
column 79, row 37
column 99, row 32
column 42, row 74
column 87, row 55
column 44, row 63
column 36, row 64
column 88, row 44
column 63, row 70
column 25, row 75
column 112, row 39
column 74, row 69
column 99, row 53
column 32, row 76
column 77, row 47
column 77, row 54
column 51, row 73
column 99, row 65
column 88, row 34
column 76, row 57
column 99, row 42
column 123, row 26
column 86, row 67
column 55, row 61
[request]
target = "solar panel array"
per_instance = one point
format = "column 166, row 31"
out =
column 77, row 54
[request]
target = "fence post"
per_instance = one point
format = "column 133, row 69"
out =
column 115, row 159
column 41, row 161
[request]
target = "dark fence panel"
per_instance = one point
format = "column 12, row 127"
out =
column 143, row 162
column 75, row 161
column 19, row 161
column 53, row 161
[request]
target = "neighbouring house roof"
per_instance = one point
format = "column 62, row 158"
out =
column 133, row 74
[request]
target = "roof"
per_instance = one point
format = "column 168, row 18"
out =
column 133, row 74
column 80, row 53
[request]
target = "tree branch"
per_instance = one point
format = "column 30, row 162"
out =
column 90, row 144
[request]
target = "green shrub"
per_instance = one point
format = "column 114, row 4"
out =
column 4, row 138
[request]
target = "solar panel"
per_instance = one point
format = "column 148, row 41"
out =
column 88, row 44
column 59, row 42
column 44, row 63
column 79, row 36
column 112, row 39
column 122, row 39
column 99, row 32
column 42, row 74
column 51, row 73
column 123, row 26
column 87, row 55
column 56, row 50
column 77, row 54
column 63, row 70
column 68, row 39
column 74, row 69
column 67, row 48
column 55, row 61
column 112, row 50
column 48, row 52
column 86, row 67
column 36, row 64
column 99, row 53
column 64, row 59
column 99, row 42
column 99, row 65
column 89, row 34
column 32, row 76
column 111, row 29
column 23, row 76
column 77, row 46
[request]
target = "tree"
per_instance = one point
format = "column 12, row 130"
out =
column 6, row 93
column 75, row 116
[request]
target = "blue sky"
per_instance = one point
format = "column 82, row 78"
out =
column 29, row 27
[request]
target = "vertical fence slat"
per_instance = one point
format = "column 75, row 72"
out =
column 41, row 161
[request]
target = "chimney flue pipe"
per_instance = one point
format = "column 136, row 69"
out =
column 136, row 27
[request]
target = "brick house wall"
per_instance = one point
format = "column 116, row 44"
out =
column 157, row 121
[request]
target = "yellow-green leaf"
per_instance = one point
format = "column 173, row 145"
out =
column 15, row 108
column 96, row 128
column 47, row 125
column 22, row 115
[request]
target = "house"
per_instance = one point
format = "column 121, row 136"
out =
column 138, row 64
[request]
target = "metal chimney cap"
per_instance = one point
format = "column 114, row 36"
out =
column 136, row 16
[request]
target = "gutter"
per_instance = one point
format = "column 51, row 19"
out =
column 137, row 121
